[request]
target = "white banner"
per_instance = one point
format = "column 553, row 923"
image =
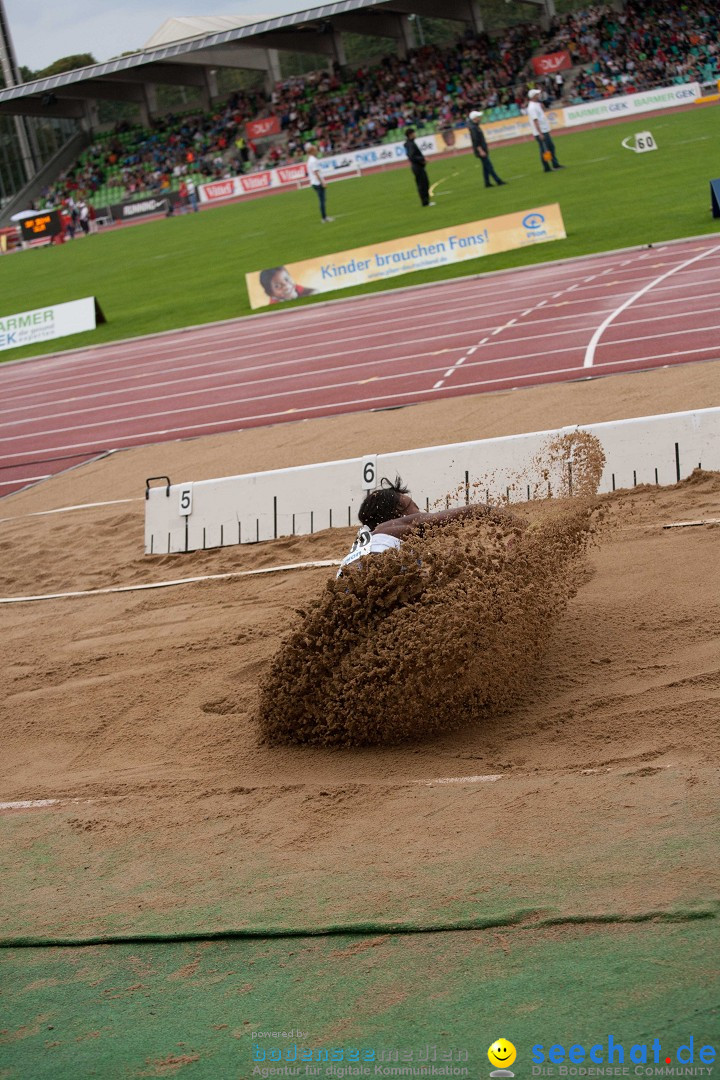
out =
column 44, row 324
column 629, row 105
column 337, row 166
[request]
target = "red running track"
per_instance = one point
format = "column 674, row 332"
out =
column 626, row 311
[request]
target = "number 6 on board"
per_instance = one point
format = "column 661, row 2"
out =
column 369, row 472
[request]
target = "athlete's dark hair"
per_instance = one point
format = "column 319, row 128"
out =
column 383, row 504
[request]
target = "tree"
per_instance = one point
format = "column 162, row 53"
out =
column 65, row 63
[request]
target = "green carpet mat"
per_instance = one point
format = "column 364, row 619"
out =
column 77, row 873
column 199, row 1009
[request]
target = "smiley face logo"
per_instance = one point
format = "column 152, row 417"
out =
column 502, row 1053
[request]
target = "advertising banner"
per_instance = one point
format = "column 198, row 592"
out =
column 262, row 128
column 515, row 127
column 629, row 105
column 258, row 181
column 291, row 174
column 552, row 62
column 389, row 152
column 44, row 324
column 129, row 211
column 377, row 262
column 221, row 189
column 340, row 165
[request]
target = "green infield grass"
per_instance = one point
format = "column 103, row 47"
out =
column 191, row 268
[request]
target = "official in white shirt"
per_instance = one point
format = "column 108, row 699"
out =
column 317, row 179
column 540, row 127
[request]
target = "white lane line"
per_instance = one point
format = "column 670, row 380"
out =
column 113, row 421
column 63, row 509
column 139, row 347
column 294, row 359
column 592, row 346
column 23, row 480
column 238, row 423
column 182, row 348
column 168, row 584
column 223, row 366
column 265, row 324
column 495, row 332
column 85, row 360
column 125, row 440
column 220, row 386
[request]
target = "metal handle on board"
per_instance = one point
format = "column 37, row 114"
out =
column 167, row 485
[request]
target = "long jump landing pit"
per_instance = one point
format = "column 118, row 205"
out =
column 547, row 875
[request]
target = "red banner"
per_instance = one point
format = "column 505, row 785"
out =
column 552, row 62
column 221, row 189
column 256, row 181
column 291, row 174
column 260, row 129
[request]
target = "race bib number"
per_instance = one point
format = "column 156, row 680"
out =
column 361, row 546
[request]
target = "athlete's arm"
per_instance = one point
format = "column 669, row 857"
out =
column 400, row 527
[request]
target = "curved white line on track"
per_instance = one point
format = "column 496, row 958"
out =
column 590, row 351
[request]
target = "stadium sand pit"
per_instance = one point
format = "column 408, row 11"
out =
column 593, row 791
column 444, row 631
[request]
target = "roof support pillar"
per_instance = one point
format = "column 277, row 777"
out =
column 476, row 16
column 406, row 39
column 209, row 89
column 339, row 56
column 148, row 106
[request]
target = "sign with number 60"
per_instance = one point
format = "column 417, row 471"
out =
column 641, row 142
column 369, row 472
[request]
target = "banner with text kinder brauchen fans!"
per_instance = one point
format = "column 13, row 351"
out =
column 376, row 262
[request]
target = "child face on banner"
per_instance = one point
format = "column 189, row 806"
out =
column 282, row 286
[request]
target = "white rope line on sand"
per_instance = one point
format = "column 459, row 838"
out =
column 29, row 804
column 65, row 509
column 461, row 780
column 41, row 804
column 167, row 584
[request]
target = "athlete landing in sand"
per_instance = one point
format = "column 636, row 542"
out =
column 388, row 514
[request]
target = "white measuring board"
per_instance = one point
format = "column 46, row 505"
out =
column 307, row 498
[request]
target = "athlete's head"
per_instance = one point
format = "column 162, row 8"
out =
column 389, row 501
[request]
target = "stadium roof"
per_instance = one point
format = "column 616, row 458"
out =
column 242, row 44
column 189, row 26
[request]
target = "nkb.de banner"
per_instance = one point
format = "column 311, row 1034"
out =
column 376, row 262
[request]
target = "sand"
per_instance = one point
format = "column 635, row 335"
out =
column 146, row 704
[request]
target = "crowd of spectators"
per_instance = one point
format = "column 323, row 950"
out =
column 434, row 85
column 152, row 161
column 643, row 46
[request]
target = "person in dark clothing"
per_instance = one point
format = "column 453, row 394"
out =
column 480, row 149
column 417, row 164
